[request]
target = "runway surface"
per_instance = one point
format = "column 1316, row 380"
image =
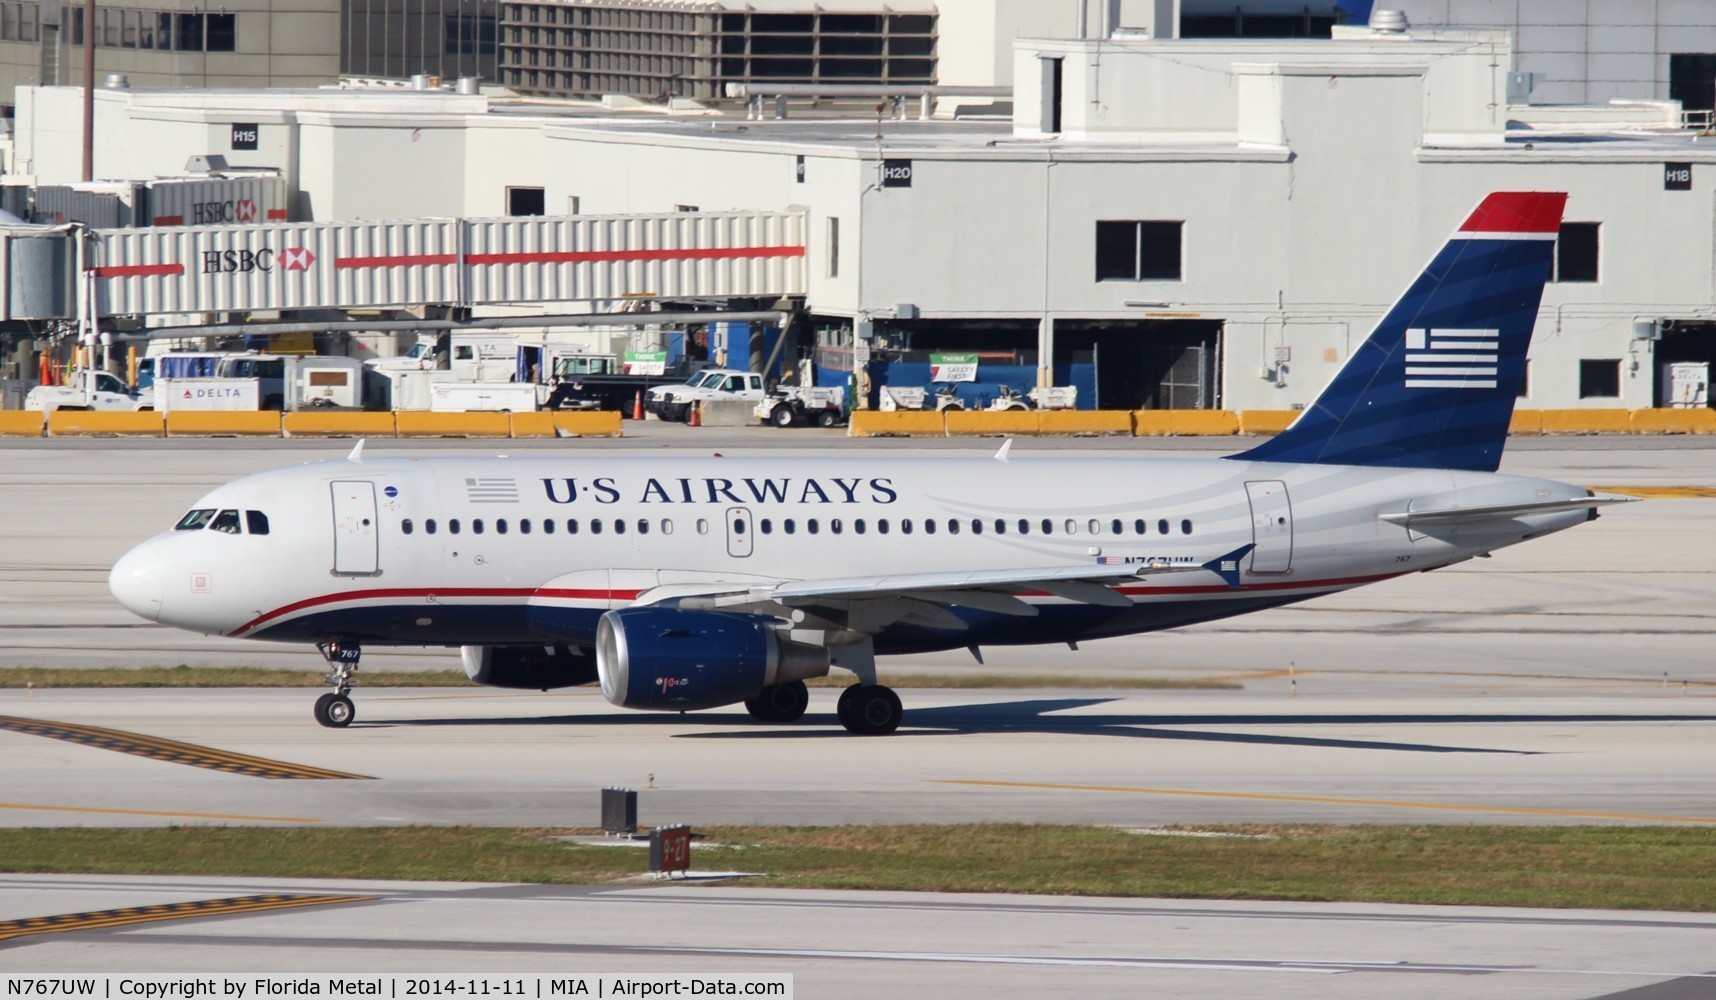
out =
column 863, row 945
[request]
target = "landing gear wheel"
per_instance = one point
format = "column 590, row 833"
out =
column 827, row 418
column 872, row 710
column 781, row 703
column 782, row 416
column 335, row 711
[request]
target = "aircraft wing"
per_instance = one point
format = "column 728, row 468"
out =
column 1490, row 512
column 871, row 603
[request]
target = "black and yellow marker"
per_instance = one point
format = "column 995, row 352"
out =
column 171, row 751
column 63, row 923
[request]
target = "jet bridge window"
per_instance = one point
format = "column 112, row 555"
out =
column 227, row 521
column 196, row 520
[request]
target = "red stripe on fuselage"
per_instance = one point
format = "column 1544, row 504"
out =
column 565, row 594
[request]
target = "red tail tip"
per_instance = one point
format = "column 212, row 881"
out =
column 1518, row 212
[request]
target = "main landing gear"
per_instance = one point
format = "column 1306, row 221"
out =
column 335, row 709
column 780, row 703
column 869, row 710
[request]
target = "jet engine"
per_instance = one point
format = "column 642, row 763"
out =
column 659, row 658
column 530, row 667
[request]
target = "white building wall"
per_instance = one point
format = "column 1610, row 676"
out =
column 975, row 37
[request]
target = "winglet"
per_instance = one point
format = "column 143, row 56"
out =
column 357, row 452
column 1006, row 446
column 1227, row 567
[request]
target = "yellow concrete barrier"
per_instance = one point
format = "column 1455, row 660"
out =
column 485, row 423
column 83, row 423
column 22, row 423
column 1586, row 421
column 1691, row 421
column 571, row 424
column 1219, row 423
column 1265, row 421
column 1526, row 422
column 968, row 423
column 897, row 423
column 1152, row 423
column 204, row 423
column 309, row 423
column 1084, row 422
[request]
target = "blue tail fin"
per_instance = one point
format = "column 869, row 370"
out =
column 1433, row 387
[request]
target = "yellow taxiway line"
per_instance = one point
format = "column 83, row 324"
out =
column 171, row 751
column 157, row 812
column 1659, row 492
column 67, row 922
column 1331, row 800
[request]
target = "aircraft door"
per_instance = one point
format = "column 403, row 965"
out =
column 739, row 531
column 356, row 550
column 1271, row 527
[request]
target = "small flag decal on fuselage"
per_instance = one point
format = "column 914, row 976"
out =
column 487, row 490
column 1451, row 359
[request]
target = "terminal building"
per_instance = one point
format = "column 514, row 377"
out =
column 1163, row 222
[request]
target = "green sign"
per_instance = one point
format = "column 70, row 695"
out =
column 953, row 368
column 646, row 362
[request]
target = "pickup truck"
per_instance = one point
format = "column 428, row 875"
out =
column 92, row 390
column 597, row 383
column 673, row 402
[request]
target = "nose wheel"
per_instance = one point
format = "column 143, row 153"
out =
column 335, row 709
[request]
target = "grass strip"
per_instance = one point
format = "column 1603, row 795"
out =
column 183, row 676
column 1605, row 867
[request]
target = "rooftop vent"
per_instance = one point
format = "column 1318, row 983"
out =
column 208, row 163
column 1391, row 21
column 118, row 81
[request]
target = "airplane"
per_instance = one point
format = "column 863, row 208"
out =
column 691, row 583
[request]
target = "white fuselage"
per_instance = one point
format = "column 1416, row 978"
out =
column 522, row 550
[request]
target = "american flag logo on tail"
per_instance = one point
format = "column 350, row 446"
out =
column 1451, row 359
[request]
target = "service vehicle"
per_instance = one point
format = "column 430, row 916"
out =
column 674, row 402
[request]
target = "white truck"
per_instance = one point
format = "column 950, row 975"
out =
column 824, row 406
column 674, row 402
column 458, row 397
column 91, row 389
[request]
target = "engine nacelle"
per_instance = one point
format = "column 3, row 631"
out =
column 662, row 658
column 537, row 668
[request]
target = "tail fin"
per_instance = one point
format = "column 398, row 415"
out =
column 1434, row 385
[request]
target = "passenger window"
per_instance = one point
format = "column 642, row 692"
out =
column 1048, row 526
column 1117, row 527
column 619, row 526
column 976, row 526
column 767, row 526
column 858, row 525
column 666, row 526
column 595, row 525
column 429, row 526
column 196, row 520
column 929, row 525
column 452, row 526
column 643, row 526
column 1162, row 526
column 571, row 526
column 1140, row 527
column 476, row 525
column 906, row 526
column 1024, row 526
column 256, row 522
column 811, row 525
column 702, row 526
column 405, row 527
column 882, row 525
column 1072, row 526
column 524, row 525
column 1000, row 526
column 1185, row 527
column 1094, row 527
column 835, row 525
column 227, row 521
column 500, row 525
column 952, row 526
column 790, row 525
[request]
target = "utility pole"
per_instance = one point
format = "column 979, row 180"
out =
column 89, row 90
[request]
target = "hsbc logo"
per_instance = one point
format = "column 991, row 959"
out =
column 297, row 259
column 210, row 213
column 245, row 210
column 248, row 261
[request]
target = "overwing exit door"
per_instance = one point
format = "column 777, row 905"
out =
column 1271, row 527
column 739, row 531
column 355, row 541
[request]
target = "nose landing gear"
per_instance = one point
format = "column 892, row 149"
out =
column 335, row 709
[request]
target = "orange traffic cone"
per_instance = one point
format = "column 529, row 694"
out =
column 696, row 418
column 637, row 407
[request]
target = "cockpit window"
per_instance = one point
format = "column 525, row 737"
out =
column 196, row 520
column 256, row 522
column 227, row 521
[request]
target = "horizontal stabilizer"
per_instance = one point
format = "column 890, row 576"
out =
column 1227, row 567
column 1492, row 512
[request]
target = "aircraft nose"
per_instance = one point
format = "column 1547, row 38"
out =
column 139, row 579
